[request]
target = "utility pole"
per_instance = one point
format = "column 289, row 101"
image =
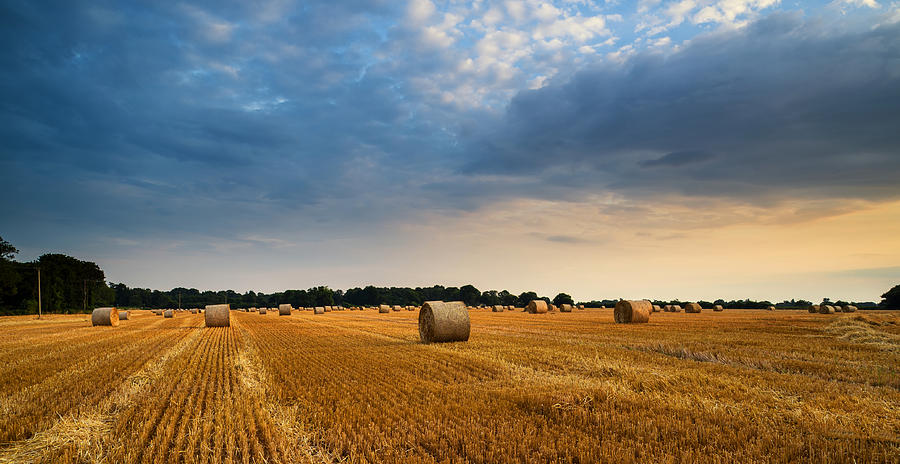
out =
column 84, row 295
column 40, row 313
column 179, row 300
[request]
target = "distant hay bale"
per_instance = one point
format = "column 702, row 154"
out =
column 262, row 310
column 770, row 308
column 105, row 316
column 655, row 309
column 410, row 308
column 218, row 315
column 319, row 310
column 676, row 308
column 826, row 309
column 497, row 309
column 813, row 309
column 718, row 308
column 384, row 309
column 395, row 307
column 194, row 310
column 565, row 308
column 327, row 309
column 537, row 307
column 123, row 315
column 632, row 311
column 693, row 308
column 169, row 313
column 284, row 309
column 850, row 309
column 441, row 321
column 551, row 307
column 580, row 306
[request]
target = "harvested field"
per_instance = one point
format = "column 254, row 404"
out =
column 358, row 386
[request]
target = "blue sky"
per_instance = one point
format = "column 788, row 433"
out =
column 521, row 144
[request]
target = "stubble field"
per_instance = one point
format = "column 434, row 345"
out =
column 357, row 386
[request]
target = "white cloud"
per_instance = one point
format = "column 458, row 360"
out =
column 419, row 11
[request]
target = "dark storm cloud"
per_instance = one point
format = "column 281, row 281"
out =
column 678, row 158
column 780, row 106
column 152, row 117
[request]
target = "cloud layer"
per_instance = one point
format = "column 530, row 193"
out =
column 283, row 129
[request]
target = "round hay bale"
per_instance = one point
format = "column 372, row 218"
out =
column 217, row 315
column 194, row 311
column 813, row 309
column 718, row 308
column 580, row 306
column 319, row 310
column 770, row 308
column 395, row 308
column 105, row 316
column 284, row 309
column 826, row 309
column 676, row 308
column 123, row 315
column 169, row 313
column 262, row 310
column 410, row 308
column 693, row 308
column 384, row 309
column 551, row 307
column 444, row 322
column 537, row 307
column 850, row 309
column 667, row 308
column 655, row 309
column 566, row 308
column 632, row 311
column 497, row 309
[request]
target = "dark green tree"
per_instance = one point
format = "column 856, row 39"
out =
column 469, row 295
column 891, row 298
column 562, row 299
column 525, row 298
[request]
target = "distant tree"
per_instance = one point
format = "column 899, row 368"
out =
column 469, row 295
column 490, row 298
column 891, row 298
column 562, row 299
column 525, row 298
column 507, row 298
column 7, row 251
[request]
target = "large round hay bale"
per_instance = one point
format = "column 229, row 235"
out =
column 565, row 308
column 105, row 316
column 718, row 308
column 284, row 309
column 123, row 315
column 441, row 321
column 319, row 310
column 826, row 309
column 384, row 309
column 218, row 315
column 262, row 310
column 676, row 308
column 632, row 311
column 693, row 308
column 169, row 313
column 497, row 309
column 537, row 307
column 850, row 309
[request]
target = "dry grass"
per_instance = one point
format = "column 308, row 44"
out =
column 357, row 386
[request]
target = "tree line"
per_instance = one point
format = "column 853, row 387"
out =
column 72, row 285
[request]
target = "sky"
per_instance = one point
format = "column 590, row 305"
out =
column 693, row 149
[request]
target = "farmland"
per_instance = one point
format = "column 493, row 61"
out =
column 358, row 386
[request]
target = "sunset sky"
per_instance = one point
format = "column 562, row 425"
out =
column 651, row 149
